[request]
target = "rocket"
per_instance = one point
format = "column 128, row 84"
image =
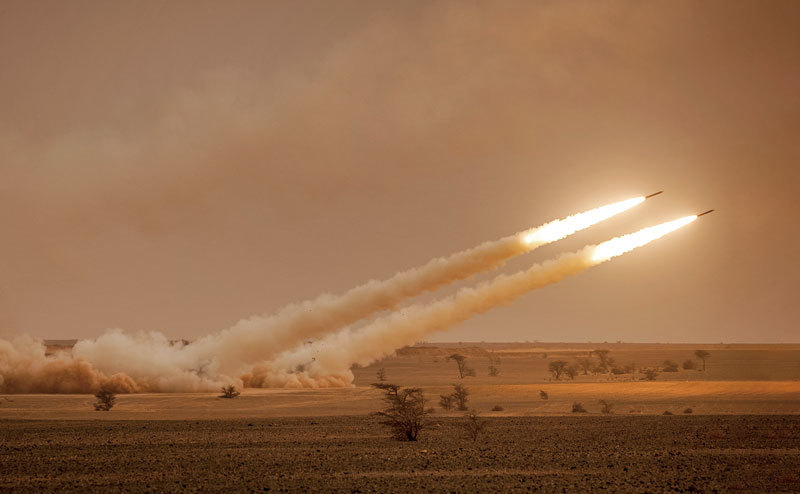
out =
column 709, row 211
column 654, row 194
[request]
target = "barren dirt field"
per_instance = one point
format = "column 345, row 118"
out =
column 743, row 432
column 353, row 454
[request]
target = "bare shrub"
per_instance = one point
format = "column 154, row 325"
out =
column 607, row 408
column 557, row 368
column 447, row 402
column 405, row 413
column 497, row 408
column 605, row 360
column 584, row 364
column 578, row 408
column 229, row 391
column 493, row 371
column 689, row 364
column 687, row 411
column 473, row 425
column 670, row 366
column 544, row 355
column 461, row 362
column 543, row 395
column 106, row 399
column 650, row 374
column 460, row 396
column 381, row 374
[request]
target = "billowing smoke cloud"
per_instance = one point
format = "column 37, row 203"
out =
column 24, row 368
column 327, row 362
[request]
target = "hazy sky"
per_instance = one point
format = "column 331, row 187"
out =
column 180, row 165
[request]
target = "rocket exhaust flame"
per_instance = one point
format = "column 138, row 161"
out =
column 620, row 245
column 558, row 229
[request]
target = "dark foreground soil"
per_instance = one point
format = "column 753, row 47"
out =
column 354, row 454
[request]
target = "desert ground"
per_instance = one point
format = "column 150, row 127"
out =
column 743, row 432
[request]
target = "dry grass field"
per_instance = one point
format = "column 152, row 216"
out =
column 743, row 432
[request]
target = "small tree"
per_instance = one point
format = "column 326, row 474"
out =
column 493, row 371
column 106, row 399
column 447, row 402
column 557, row 367
column 405, row 412
column 229, row 391
column 607, row 408
column 381, row 374
column 702, row 355
column 650, row 374
column 461, row 362
column 543, row 395
column 473, row 425
column 571, row 371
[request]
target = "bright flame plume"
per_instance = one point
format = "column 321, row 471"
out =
column 620, row 245
column 558, row 229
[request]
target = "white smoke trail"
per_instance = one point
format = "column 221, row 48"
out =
column 262, row 337
column 327, row 362
column 152, row 363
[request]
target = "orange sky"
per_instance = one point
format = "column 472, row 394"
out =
column 178, row 166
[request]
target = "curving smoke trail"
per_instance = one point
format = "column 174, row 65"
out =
column 327, row 362
column 150, row 362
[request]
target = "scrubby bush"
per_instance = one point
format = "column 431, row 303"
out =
column 584, row 364
column 447, row 402
column 405, row 413
column 650, row 374
column 607, row 408
column 106, row 399
column 689, row 364
column 571, row 371
column 460, row 396
column 493, row 371
column 670, row 366
column 687, row 411
column 667, row 412
column 497, row 408
column 605, row 360
column 473, row 425
column 556, row 368
column 617, row 371
column 229, row 391
column 578, row 408
column 543, row 395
